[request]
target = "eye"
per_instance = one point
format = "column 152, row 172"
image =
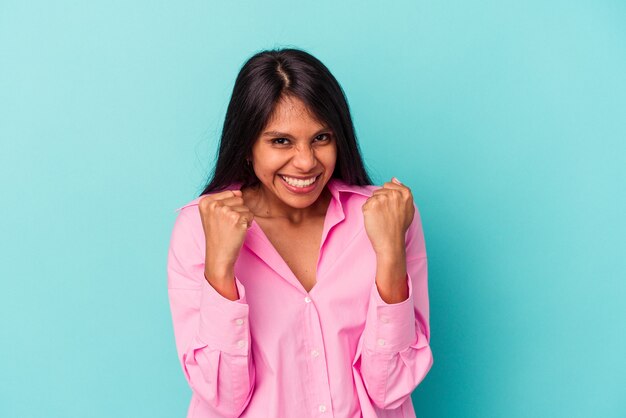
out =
column 324, row 137
column 279, row 139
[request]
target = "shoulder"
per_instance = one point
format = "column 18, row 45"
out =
column 192, row 203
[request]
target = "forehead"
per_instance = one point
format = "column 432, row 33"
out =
column 292, row 110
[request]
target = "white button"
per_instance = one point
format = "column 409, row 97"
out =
column 307, row 299
column 239, row 321
column 315, row 353
column 241, row 343
column 322, row 408
column 384, row 319
column 381, row 342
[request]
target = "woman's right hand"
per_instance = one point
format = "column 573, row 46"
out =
column 225, row 220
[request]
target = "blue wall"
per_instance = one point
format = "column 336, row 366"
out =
column 505, row 118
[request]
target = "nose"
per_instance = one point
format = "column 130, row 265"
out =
column 305, row 159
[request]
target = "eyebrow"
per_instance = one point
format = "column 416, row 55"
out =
column 276, row 133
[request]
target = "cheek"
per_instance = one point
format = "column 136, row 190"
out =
column 329, row 157
column 267, row 166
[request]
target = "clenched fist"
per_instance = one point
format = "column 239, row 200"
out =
column 387, row 215
column 225, row 220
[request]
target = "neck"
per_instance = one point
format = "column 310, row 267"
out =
column 266, row 205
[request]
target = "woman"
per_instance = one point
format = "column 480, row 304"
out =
column 297, row 288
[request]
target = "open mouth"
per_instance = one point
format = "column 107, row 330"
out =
column 300, row 185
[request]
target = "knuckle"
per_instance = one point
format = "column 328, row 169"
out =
column 213, row 204
column 206, row 205
column 224, row 208
column 203, row 203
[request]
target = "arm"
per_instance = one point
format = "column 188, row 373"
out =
column 212, row 332
column 393, row 355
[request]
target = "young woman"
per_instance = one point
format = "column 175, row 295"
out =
column 298, row 288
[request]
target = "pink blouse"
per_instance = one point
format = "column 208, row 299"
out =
column 279, row 351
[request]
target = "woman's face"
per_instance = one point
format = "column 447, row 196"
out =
column 295, row 155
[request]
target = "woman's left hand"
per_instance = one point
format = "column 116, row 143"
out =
column 387, row 215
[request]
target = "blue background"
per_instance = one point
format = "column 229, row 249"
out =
column 505, row 118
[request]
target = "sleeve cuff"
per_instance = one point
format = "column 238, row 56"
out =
column 224, row 323
column 389, row 328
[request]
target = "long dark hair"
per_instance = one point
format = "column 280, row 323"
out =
column 262, row 81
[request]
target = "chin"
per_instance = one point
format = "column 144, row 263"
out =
column 301, row 203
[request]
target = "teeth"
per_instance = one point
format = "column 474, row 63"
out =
column 299, row 183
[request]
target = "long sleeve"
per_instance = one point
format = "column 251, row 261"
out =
column 393, row 354
column 212, row 333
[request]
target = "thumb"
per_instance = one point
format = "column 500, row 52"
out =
column 247, row 221
column 395, row 180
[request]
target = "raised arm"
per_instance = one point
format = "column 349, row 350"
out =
column 393, row 355
column 212, row 332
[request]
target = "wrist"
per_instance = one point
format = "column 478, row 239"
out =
column 391, row 276
column 225, row 286
column 391, row 254
column 219, row 273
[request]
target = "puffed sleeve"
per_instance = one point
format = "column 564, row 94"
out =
column 212, row 332
column 393, row 354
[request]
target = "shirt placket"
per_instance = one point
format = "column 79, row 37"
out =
column 320, row 403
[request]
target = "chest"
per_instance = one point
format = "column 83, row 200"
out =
column 298, row 246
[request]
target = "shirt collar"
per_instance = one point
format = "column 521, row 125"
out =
column 336, row 186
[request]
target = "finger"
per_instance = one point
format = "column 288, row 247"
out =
column 247, row 218
column 380, row 191
column 392, row 185
column 240, row 208
column 244, row 212
column 205, row 201
column 240, row 214
column 225, row 194
column 395, row 186
column 231, row 201
column 388, row 192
